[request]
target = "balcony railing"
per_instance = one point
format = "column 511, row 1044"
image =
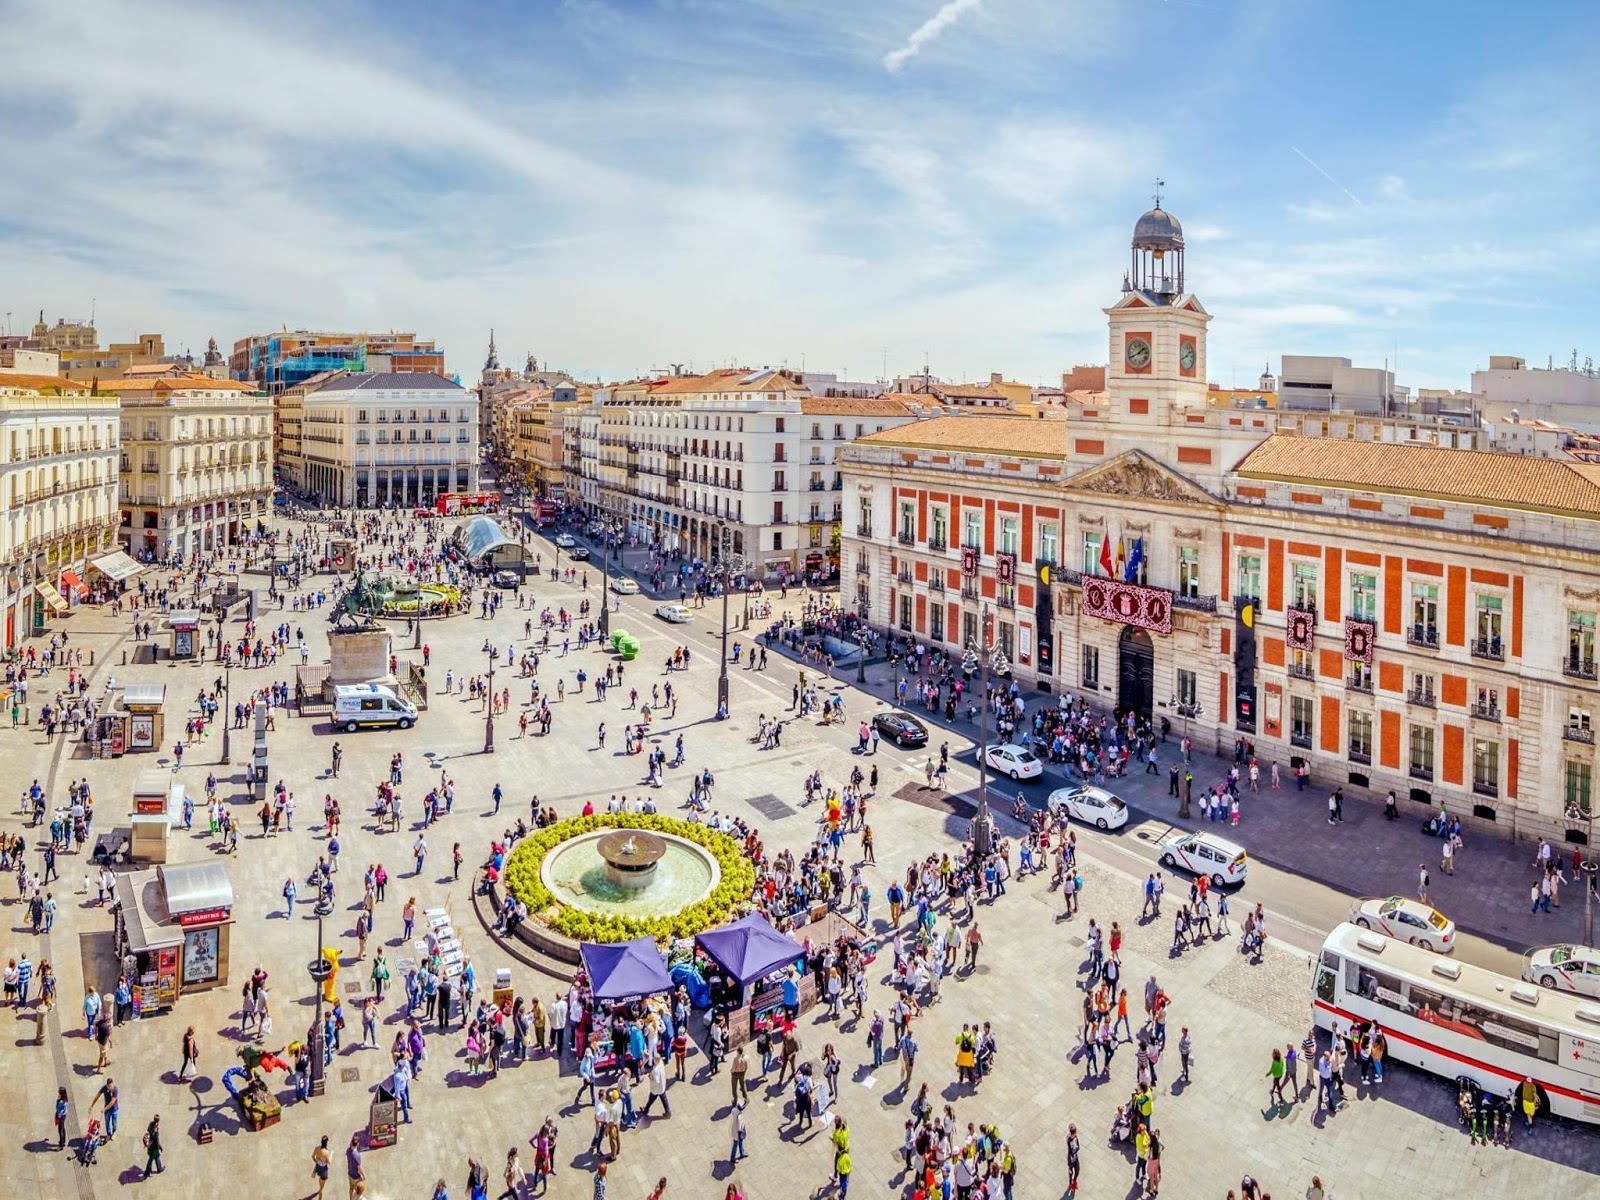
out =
column 1489, row 648
column 1207, row 604
column 1006, row 601
column 1302, row 740
column 906, row 537
column 936, row 582
column 1574, row 667
column 862, row 568
column 1421, row 772
column 969, row 591
column 904, row 574
column 1484, row 787
column 1575, row 733
column 1358, row 683
column 864, row 531
column 1363, row 757
column 937, row 542
column 816, row 485
column 1426, row 636
column 1485, row 711
column 1425, row 699
column 1302, row 671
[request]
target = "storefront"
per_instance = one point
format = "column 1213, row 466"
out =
column 143, row 704
column 117, row 568
column 46, row 601
column 72, row 583
column 174, row 923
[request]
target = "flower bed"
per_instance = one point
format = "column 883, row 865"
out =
column 733, row 891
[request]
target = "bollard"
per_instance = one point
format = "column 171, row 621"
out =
column 124, row 658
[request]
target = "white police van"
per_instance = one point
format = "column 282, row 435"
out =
column 359, row 704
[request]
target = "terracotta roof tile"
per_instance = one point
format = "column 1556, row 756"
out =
column 854, row 406
column 1022, row 437
column 1432, row 472
column 39, row 383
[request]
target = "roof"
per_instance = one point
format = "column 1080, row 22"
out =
column 390, row 381
column 750, row 948
column 850, row 406
column 1024, row 437
column 1469, row 476
column 193, row 887
column 727, row 379
column 40, row 383
column 479, row 535
column 1158, row 227
column 625, row 970
column 173, row 383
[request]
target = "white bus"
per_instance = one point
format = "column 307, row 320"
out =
column 1453, row 1019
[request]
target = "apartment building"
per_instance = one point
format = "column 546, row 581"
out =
column 281, row 359
column 196, row 462
column 58, row 460
column 381, row 439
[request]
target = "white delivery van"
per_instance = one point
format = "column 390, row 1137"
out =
column 358, row 704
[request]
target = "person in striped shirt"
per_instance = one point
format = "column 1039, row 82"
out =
column 24, row 979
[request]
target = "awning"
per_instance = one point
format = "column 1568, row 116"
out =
column 117, row 566
column 625, row 970
column 194, row 887
column 749, row 948
column 47, row 592
column 71, row 580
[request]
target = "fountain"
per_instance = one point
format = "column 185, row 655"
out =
column 629, row 873
column 631, row 857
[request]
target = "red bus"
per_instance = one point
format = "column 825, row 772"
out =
column 547, row 513
column 453, row 503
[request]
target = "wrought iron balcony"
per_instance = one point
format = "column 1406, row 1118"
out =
column 862, row 568
column 969, row 591
column 1006, row 601
column 1485, row 710
column 1357, row 683
column 1574, row 667
column 1421, row 773
column 1301, row 740
column 1302, row 671
column 1426, row 699
column 1489, row 648
column 1575, row 733
column 936, row 581
column 1207, row 604
column 937, row 542
column 904, row 574
column 1425, row 636
column 906, row 537
column 864, row 531
column 1364, row 757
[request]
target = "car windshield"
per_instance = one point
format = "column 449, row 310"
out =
column 1437, row 919
column 1114, row 802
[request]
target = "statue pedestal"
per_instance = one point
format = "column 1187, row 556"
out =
column 359, row 656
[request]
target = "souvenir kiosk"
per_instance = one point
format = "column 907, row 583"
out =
column 157, row 807
column 171, row 931
column 143, row 704
column 755, row 982
column 627, row 980
column 184, row 627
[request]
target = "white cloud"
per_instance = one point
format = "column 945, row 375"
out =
column 929, row 31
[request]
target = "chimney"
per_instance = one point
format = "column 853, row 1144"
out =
column 995, row 377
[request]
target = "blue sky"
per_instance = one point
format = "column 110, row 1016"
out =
column 620, row 185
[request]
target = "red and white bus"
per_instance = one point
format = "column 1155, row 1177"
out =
column 452, row 504
column 547, row 513
column 1451, row 1018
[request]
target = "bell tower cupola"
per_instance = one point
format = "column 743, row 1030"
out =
column 1157, row 267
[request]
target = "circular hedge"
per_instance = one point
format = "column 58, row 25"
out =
column 734, row 889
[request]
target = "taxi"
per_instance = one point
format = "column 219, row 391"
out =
column 1203, row 853
column 1407, row 921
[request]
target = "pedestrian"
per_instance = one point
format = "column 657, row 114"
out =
column 152, row 1145
column 321, row 1158
column 354, row 1168
column 1447, row 854
column 191, row 1054
column 1276, row 1072
column 1185, row 1050
column 61, row 1119
column 1422, row 883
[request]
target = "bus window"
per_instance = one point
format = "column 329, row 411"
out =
column 1326, row 977
column 1376, row 986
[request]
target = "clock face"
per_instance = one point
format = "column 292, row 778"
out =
column 1138, row 354
column 1186, row 356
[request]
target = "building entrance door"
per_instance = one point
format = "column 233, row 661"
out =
column 1136, row 669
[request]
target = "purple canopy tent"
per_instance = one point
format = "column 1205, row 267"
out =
column 624, row 970
column 749, row 948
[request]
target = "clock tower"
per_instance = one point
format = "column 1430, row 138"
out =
column 1158, row 330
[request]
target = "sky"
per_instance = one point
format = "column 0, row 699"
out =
column 620, row 185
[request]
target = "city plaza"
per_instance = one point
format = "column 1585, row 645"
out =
column 1216, row 1128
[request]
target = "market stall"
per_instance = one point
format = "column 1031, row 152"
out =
column 627, row 980
column 757, row 980
column 146, row 722
column 171, row 931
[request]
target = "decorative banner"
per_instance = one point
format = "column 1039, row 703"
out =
column 1005, row 568
column 1128, row 604
column 1302, row 629
column 969, row 561
column 1358, row 638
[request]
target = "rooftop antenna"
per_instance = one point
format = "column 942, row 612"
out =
column 884, row 378
column 93, row 302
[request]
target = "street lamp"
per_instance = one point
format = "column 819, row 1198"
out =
column 861, row 659
column 227, row 710
column 488, row 709
column 609, row 535
column 1585, row 813
column 991, row 660
column 725, row 542
column 319, row 969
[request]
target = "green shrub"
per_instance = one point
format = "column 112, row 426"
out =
column 731, row 895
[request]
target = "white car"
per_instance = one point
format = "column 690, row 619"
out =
column 1564, row 968
column 1204, row 854
column 1015, row 762
column 1091, row 805
column 1406, row 920
column 564, row 540
column 676, row 613
column 624, row 587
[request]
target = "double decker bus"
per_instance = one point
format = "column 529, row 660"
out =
column 452, row 504
column 1452, row 1019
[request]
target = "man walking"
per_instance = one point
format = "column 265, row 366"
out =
column 1422, row 883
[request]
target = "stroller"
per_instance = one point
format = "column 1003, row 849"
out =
column 93, row 1139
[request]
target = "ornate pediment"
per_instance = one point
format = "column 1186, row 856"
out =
column 1137, row 474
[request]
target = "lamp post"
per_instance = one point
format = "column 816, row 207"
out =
column 725, row 542
column 991, row 660
column 488, row 708
column 861, row 659
column 227, row 711
column 1585, row 813
column 610, row 537
column 319, row 971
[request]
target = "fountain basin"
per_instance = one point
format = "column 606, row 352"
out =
column 629, row 873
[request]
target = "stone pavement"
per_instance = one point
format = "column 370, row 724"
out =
column 1402, row 1143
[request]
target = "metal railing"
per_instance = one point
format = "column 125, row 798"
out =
column 936, row 581
column 1357, row 683
column 1417, row 772
column 906, row 537
column 1364, row 757
column 1426, row 636
column 1301, row 740
column 1484, row 710
column 969, row 591
column 1574, row 667
column 904, row 574
column 1575, row 733
column 1302, row 671
column 1488, row 648
column 1425, row 699
column 1207, row 604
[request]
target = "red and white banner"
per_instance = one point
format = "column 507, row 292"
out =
column 1128, row 604
column 1358, row 639
column 969, row 562
column 1301, row 629
column 1005, row 568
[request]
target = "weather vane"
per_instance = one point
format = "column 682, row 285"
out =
column 1160, row 183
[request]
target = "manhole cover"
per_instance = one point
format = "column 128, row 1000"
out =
column 771, row 807
column 349, row 1074
column 353, row 989
column 1075, row 941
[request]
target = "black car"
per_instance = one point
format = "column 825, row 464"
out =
column 900, row 729
column 578, row 554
